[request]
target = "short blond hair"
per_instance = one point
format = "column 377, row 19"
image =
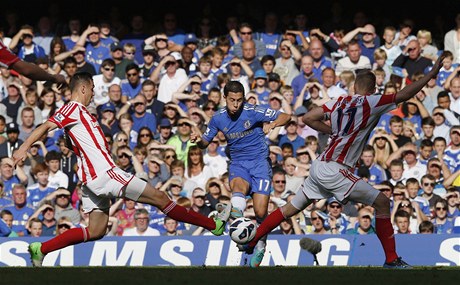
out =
column 347, row 76
column 286, row 88
column 425, row 34
column 380, row 54
column 129, row 47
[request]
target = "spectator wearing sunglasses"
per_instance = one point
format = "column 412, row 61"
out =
column 103, row 81
column 181, row 140
column 335, row 211
column 411, row 59
column 132, row 85
column 442, row 224
column 96, row 52
column 126, row 161
column 428, row 183
column 246, row 34
column 64, row 224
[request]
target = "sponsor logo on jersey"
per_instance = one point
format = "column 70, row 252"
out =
column 59, row 117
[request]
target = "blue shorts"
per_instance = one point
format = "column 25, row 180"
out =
column 258, row 173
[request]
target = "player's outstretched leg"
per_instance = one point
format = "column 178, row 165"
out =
column 73, row 236
column 259, row 250
column 238, row 205
column 385, row 233
column 36, row 255
column 159, row 199
column 398, row 263
column 223, row 214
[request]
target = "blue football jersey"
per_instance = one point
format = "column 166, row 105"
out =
column 245, row 136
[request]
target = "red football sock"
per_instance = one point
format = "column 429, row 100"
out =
column 181, row 214
column 69, row 237
column 385, row 233
column 270, row 222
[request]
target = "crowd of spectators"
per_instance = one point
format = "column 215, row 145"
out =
column 152, row 89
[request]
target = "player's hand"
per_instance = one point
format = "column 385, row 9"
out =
column 18, row 155
column 194, row 137
column 269, row 127
column 59, row 80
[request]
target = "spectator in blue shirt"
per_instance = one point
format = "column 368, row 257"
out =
column 377, row 173
column 28, row 50
column 21, row 212
column 442, row 224
column 132, row 85
column 39, row 190
column 141, row 117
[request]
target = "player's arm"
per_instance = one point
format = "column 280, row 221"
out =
column 410, row 90
column 282, row 120
column 34, row 72
column 196, row 137
column 44, row 128
column 314, row 119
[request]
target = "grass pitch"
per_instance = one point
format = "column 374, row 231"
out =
column 228, row 275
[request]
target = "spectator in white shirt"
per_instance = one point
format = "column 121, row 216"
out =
column 141, row 225
column 57, row 178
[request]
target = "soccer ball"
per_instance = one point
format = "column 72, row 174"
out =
column 242, row 230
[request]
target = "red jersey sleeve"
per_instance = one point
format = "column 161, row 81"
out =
column 65, row 116
column 386, row 99
column 7, row 58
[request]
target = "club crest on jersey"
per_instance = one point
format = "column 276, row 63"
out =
column 247, row 124
column 225, row 129
column 59, row 117
column 269, row 112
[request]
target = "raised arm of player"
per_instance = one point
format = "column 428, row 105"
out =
column 282, row 120
column 410, row 90
column 314, row 119
column 21, row 153
column 195, row 137
column 34, row 72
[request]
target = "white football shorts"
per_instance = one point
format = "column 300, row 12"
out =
column 329, row 179
column 113, row 183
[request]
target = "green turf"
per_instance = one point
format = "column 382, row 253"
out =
column 228, row 275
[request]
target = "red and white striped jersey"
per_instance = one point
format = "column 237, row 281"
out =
column 352, row 120
column 7, row 58
column 88, row 140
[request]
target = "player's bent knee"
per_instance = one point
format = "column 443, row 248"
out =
column 289, row 210
column 96, row 234
column 239, row 185
column 154, row 197
column 382, row 203
column 261, row 213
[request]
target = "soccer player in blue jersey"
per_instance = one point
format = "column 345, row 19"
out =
column 245, row 126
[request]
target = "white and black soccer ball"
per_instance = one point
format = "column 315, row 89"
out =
column 242, row 230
